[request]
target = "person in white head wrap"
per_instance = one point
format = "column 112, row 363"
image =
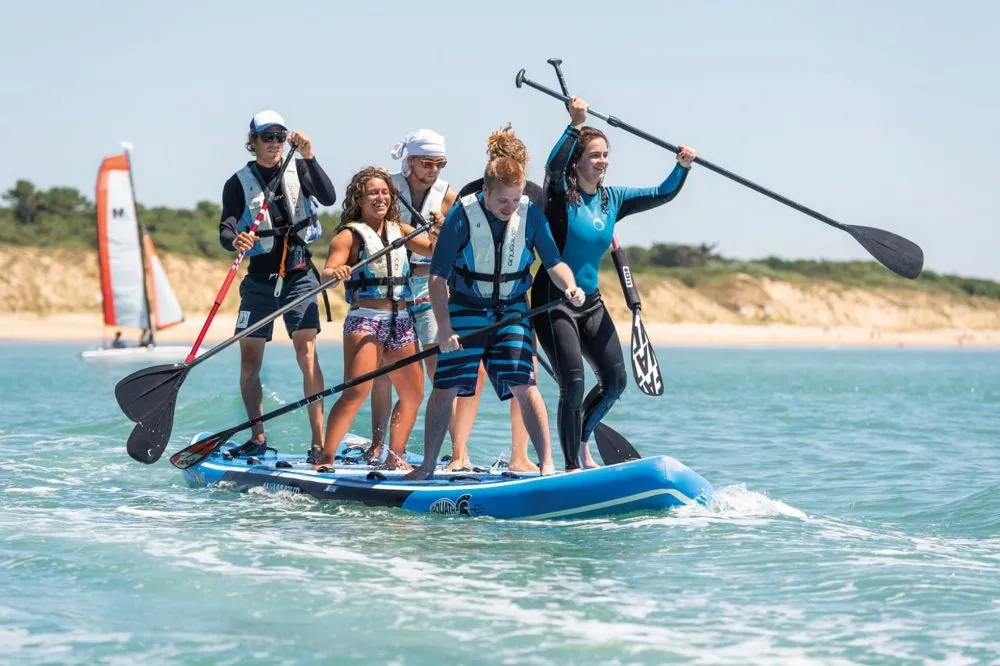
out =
column 422, row 143
column 422, row 157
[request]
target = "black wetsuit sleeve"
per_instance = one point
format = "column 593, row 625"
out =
column 233, row 205
column 315, row 182
column 535, row 194
column 555, row 167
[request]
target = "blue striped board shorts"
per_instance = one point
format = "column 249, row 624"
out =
column 507, row 352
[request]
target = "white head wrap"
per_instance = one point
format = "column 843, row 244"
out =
column 422, row 143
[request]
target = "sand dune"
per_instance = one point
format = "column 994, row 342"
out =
column 54, row 295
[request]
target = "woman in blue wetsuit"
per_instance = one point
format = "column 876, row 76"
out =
column 583, row 212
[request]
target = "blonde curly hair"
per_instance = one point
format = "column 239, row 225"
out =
column 504, row 143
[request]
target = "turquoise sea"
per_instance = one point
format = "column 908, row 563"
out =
column 857, row 521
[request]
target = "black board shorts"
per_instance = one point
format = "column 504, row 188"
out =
column 257, row 301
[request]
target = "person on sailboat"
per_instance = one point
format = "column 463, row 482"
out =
column 501, row 143
column 583, row 213
column 118, row 343
column 280, row 267
column 481, row 272
column 378, row 326
column 422, row 155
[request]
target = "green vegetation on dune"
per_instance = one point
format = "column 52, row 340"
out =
column 700, row 265
column 64, row 217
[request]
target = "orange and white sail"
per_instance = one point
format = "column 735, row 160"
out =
column 167, row 310
column 135, row 294
column 123, row 283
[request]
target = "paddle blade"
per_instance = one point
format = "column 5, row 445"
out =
column 613, row 447
column 150, row 436
column 645, row 367
column 898, row 254
column 195, row 453
column 148, row 390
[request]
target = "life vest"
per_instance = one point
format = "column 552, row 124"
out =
column 387, row 277
column 432, row 202
column 492, row 270
column 300, row 209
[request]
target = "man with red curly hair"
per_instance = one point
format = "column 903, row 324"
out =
column 480, row 273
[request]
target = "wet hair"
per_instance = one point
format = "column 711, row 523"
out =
column 587, row 134
column 355, row 194
column 504, row 143
column 503, row 170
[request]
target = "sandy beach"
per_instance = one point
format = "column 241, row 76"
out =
column 87, row 328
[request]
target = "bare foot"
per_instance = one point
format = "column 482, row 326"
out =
column 373, row 455
column 523, row 465
column 395, row 461
column 418, row 474
column 547, row 468
column 588, row 460
column 456, row 465
column 323, row 466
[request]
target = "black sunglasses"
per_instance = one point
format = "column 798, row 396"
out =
column 273, row 137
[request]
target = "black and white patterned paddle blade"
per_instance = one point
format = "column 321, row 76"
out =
column 645, row 367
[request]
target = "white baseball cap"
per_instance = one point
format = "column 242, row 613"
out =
column 264, row 119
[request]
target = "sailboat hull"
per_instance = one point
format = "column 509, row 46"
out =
column 139, row 354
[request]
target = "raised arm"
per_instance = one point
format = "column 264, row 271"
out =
column 638, row 199
column 555, row 166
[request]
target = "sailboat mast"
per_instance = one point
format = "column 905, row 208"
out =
column 142, row 249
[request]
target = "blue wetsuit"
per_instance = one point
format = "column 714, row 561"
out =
column 583, row 232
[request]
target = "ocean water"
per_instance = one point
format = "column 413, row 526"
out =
column 857, row 520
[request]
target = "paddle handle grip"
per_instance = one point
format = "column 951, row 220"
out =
column 625, row 278
column 221, row 296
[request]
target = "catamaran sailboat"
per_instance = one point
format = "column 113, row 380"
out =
column 138, row 299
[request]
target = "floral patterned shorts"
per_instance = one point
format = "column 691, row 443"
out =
column 376, row 323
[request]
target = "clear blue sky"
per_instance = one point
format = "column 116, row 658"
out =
column 877, row 113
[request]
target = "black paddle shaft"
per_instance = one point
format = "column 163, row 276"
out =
column 198, row 451
column 420, row 228
column 148, row 396
column 617, row 253
column 896, row 253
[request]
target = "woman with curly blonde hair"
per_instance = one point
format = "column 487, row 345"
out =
column 377, row 325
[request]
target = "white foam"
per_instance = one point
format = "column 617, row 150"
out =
column 34, row 490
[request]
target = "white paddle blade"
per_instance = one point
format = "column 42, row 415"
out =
column 645, row 367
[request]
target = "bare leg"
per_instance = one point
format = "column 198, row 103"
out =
column 461, row 425
column 586, row 460
column 360, row 356
column 304, row 341
column 409, row 384
column 251, row 358
column 381, row 406
column 519, row 461
column 536, row 420
column 437, row 417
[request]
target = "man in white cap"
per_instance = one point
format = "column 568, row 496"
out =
column 280, row 267
column 419, row 181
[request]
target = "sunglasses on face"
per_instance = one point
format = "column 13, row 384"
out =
column 273, row 137
column 433, row 164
